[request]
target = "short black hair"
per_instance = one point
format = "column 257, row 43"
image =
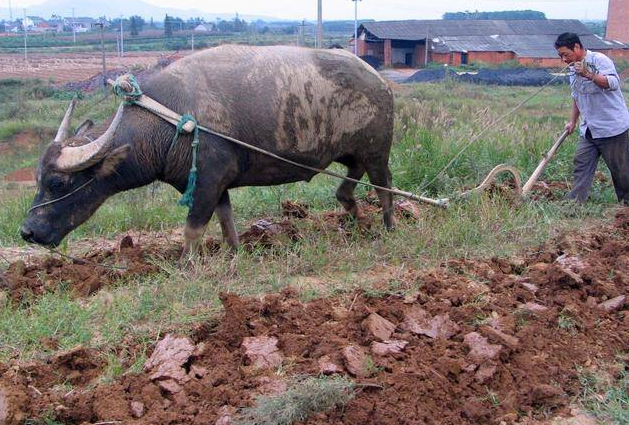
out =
column 569, row 40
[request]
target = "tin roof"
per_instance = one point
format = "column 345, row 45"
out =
column 417, row 30
column 527, row 38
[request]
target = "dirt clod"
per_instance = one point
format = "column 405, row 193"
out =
column 614, row 304
column 419, row 322
column 387, row 348
column 480, row 349
column 11, row 407
column 328, row 367
column 356, row 361
column 378, row 327
column 262, row 352
column 166, row 363
column 137, row 409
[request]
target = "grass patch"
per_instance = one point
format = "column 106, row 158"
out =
column 607, row 401
column 304, row 397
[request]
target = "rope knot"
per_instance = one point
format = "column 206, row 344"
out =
column 127, row 87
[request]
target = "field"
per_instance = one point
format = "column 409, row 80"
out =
column 493, row 311
column 66, row 67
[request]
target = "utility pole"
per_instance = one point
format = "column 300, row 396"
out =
column 10, row 12
column 426, row 49
column 25, row 35
column 73, row 27
column 356, row 26
column 302, row 37
column 101, row 24
column 121, row 39
column 319, row 43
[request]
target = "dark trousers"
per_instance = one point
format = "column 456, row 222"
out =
column 615, row 152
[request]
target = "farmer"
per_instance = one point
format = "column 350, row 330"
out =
column 597, row 98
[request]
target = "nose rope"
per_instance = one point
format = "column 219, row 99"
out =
column 43, row 204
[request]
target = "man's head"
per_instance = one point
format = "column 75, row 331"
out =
column 569, row 47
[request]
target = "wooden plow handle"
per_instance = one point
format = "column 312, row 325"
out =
column 542, row 165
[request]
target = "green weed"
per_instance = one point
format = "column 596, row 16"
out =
column 607, row 401
column 304, row 397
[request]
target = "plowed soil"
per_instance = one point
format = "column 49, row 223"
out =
column 483, row 341
column 66, row 67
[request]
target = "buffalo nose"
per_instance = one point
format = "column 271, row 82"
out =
column 27, row 234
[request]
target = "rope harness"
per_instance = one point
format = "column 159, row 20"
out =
column 127, row 87
column 43, row 204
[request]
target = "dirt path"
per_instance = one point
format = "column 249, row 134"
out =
column 481, row 342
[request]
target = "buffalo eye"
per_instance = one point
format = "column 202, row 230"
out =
column 55, row 183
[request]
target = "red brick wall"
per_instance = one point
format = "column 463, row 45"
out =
column 387, row 53
column 616, row 53
column 419, row 55
column 362, row 47
column 542, row 62
column 489, row 57
column 441, row 57
column 618, row 21
column 371, row 49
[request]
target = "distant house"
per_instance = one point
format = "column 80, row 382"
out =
column 456, row 42
column 56, row 23
column 201, row 28
column 80, row 24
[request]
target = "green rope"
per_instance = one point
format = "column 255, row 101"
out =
column 129, row 97
column 187, row 199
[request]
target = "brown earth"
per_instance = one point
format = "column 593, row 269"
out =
column 22, row 177
column 67, row 67
column 24, row 141
column 480, row 342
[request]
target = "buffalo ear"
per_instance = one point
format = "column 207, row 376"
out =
column 112, row 160
column 84, row 128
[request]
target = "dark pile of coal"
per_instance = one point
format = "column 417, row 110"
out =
column 429, row 75
column 501, row 77
column 514, row 77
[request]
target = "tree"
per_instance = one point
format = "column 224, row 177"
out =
column 136, row 24
column 3, row 27
column 239, row 25
column 506, row 15
column 225, row 26
column 192, row 23
column 168, row 29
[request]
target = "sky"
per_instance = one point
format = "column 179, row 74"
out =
column 376, row 9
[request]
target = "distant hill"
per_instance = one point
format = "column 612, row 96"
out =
column 506, row 15
column 114, row 8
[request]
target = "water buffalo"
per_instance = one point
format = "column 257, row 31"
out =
column 311, row 106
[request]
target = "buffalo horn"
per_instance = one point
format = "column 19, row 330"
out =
column 78, row 158
column 64, row 129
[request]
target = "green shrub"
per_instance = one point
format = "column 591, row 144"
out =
column 304, row 397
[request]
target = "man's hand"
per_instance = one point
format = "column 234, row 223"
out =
column 570, row 127
column 581, row 69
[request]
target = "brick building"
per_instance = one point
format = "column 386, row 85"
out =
column 453, row 42
column 618, row 21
